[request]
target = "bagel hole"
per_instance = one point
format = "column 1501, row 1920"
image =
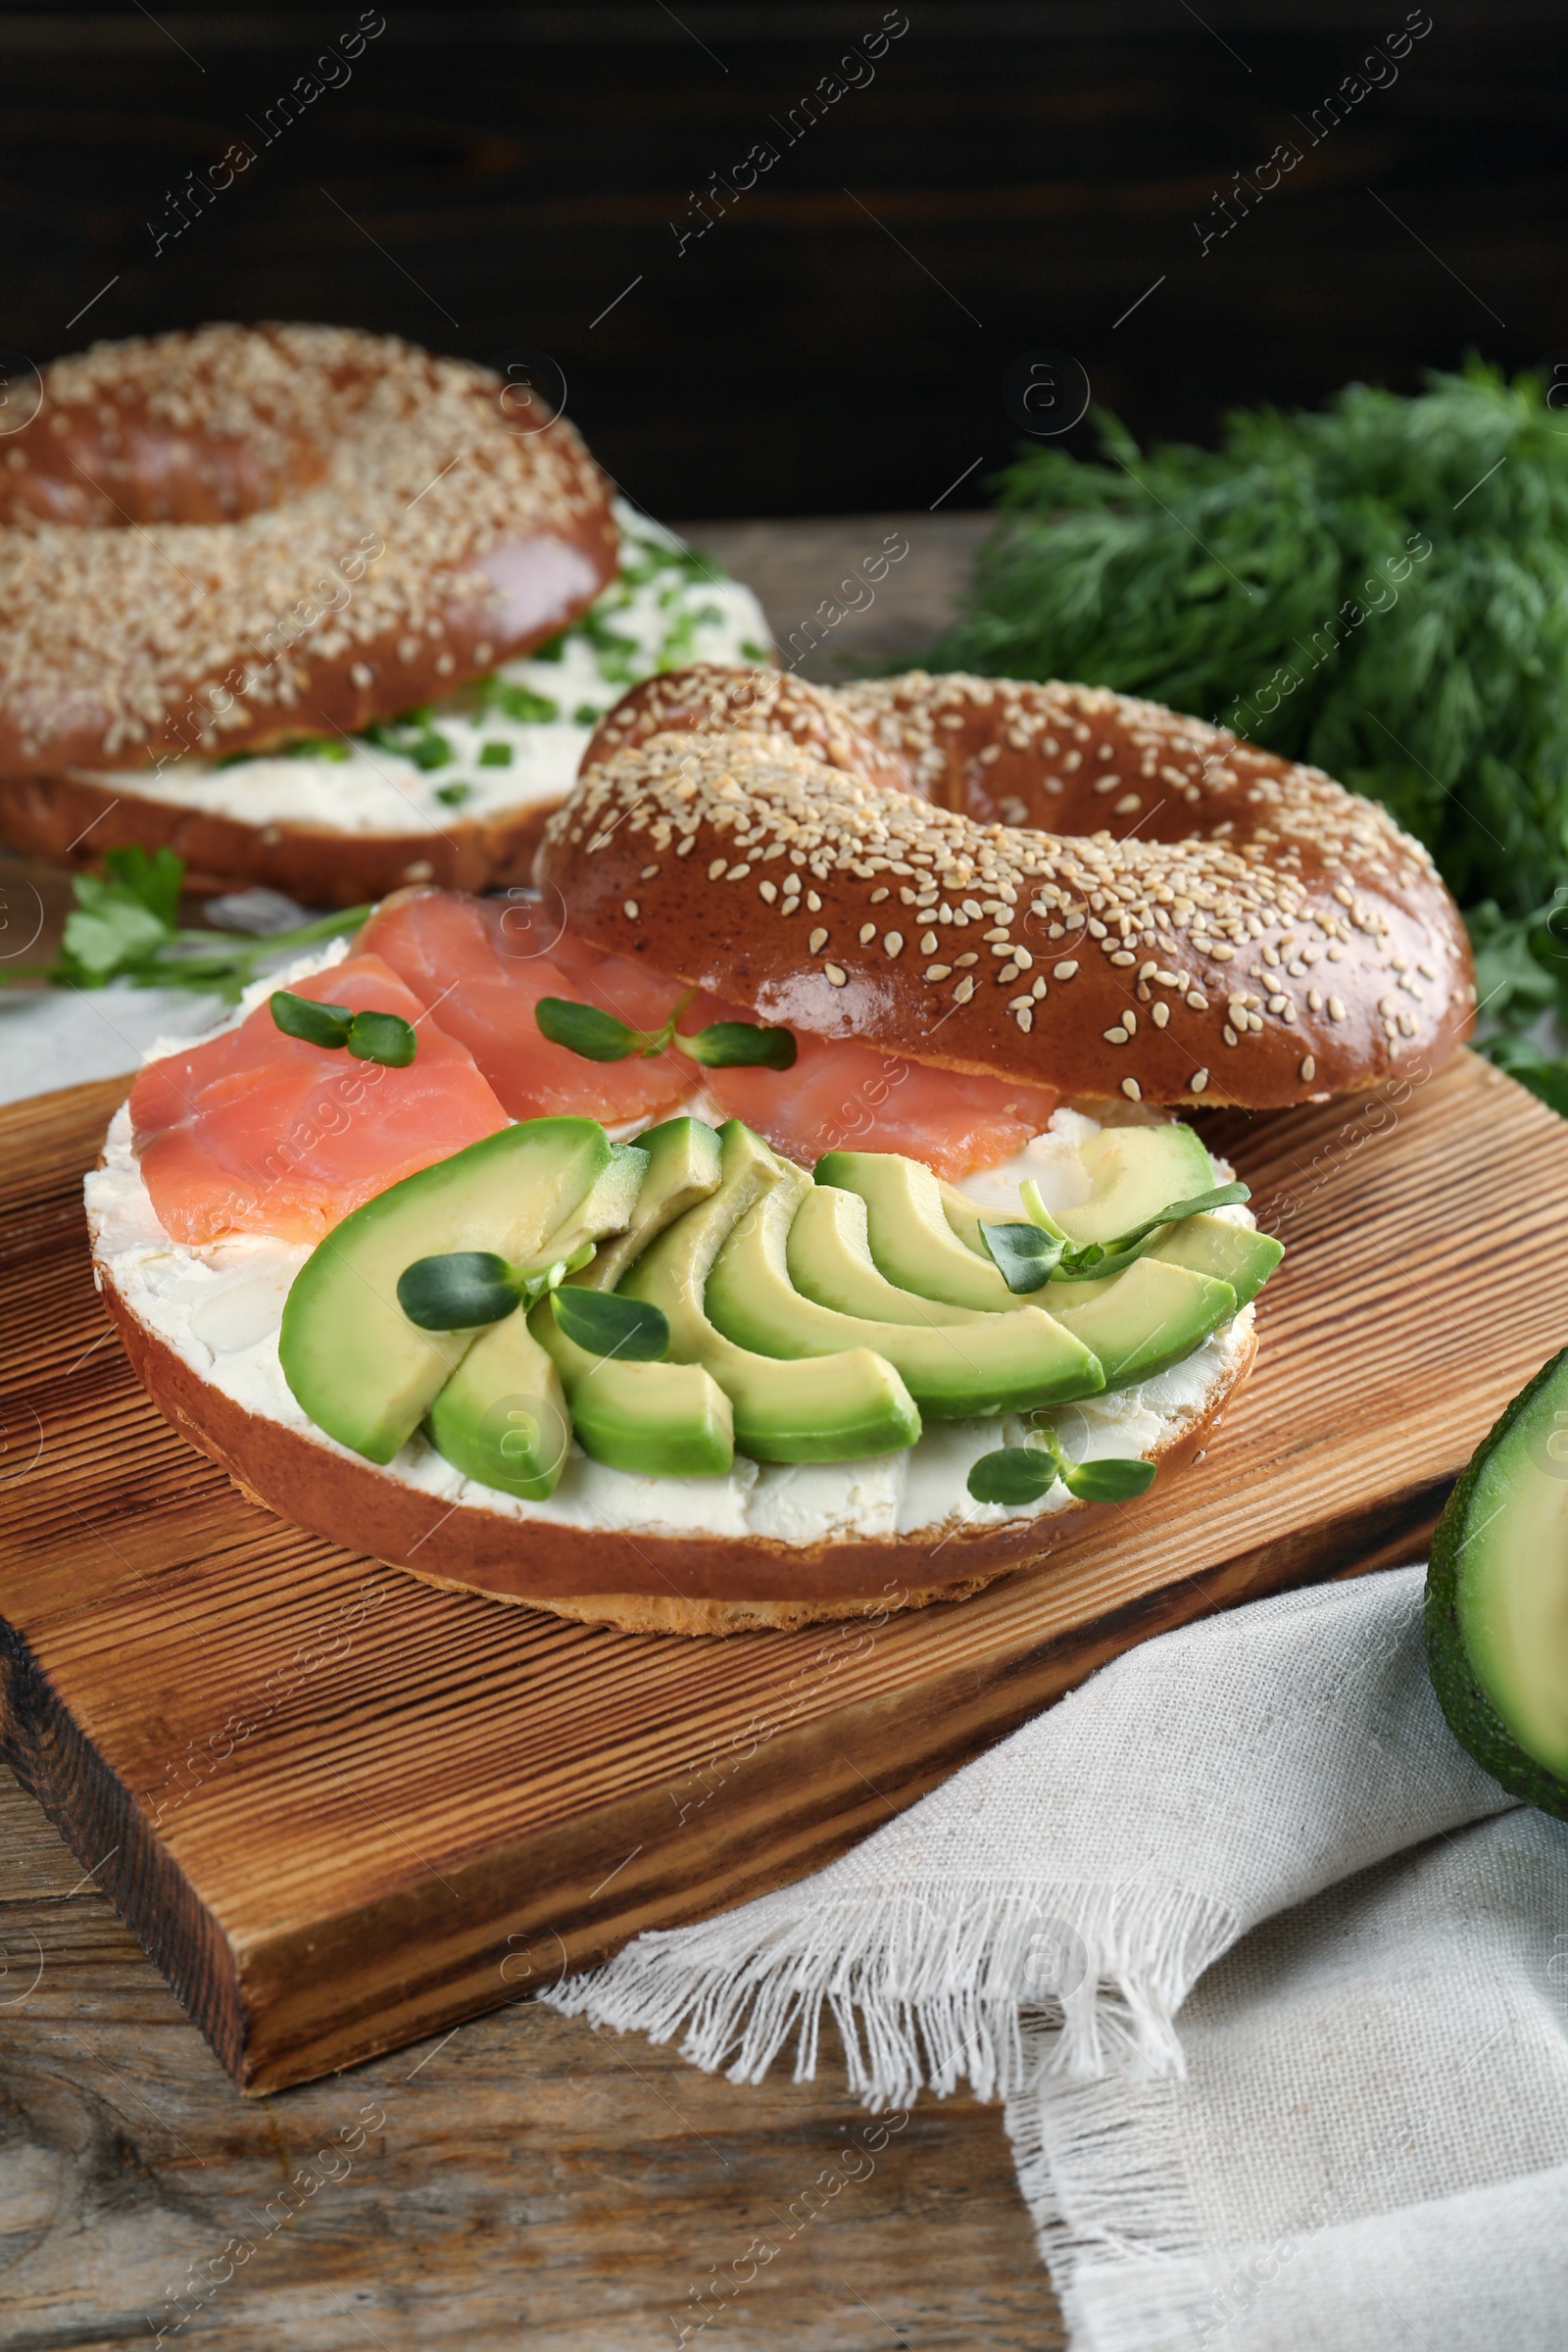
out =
column 115, row 470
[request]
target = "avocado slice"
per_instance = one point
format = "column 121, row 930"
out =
column 1234, row 1253
column 683, row 1158
column 828, row 1408
column 1497, row 1610
column 1134, row 1172
column 501, row 1418
column 606, row 1207
column 667, row 1420
column 1140, row 1322
column 990, row 1364
column 829, row 1258
column 352, row 1358
column 965, row 1217
column 912, row 1241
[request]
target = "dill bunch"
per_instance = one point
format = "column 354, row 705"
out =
column 1380, row 587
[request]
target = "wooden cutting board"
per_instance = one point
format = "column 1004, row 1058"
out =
column 342, row 1809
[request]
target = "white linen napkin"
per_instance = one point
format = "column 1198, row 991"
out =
column 1360, row 2136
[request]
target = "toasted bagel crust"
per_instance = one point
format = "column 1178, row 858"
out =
column 660, row 1582
column 225, row 539
column 72, row 820
column 1054, row 884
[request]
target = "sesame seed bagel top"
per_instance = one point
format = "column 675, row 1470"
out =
column 1201, row 921
column 216, row 540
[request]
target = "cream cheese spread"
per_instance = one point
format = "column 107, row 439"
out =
column 220, row 1305
column 658, row 614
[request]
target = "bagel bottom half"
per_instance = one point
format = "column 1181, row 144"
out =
column 676, row 1582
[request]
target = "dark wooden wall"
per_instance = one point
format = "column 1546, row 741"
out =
column 1014, row 178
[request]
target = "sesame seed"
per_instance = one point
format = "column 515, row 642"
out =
column 1131, row 1090
column 629, row 910
column 894, row 943
column 1336, row 1008
column 817, row 941
column 1308, row 1069
column 1234, row 892
column 939, row 971
column 836, row 973
column 1197, row 1081
column 1115, row 1037
column 964, row 990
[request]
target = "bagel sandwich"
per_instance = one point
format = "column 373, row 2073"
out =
column 683, row 1281
column 317, row 611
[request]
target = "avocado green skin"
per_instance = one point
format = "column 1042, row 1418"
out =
column 1472, row 1717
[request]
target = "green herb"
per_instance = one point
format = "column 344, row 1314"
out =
column 457, row 1291
column 599, row 1036
column 1028, row 1256
column 586, row 1030
column 411, row 737
column 1016, row 1474
column 1381, row 588
column 518, row 702
column 1521, row 983
column 738, row 1044
column 1022, row 1254
column 318, row 747
column 495, row 754
column 755, row 652
column 125, row 927
column 383, row 1036
column 462, row 1289
column 313, row 1024
column 555, row 650
column 587, row 714
column 453, row 796
column 618, row 658
column 607, row 1324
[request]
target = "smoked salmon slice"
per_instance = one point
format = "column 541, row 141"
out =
column 841, row 1096
column 255, row 1131
column 482, row 965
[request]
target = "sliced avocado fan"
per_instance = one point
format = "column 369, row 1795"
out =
column 800, row 1322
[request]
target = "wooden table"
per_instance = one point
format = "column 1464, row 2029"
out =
column 525, row 2179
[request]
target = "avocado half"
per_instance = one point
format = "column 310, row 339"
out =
column 1497, row 1602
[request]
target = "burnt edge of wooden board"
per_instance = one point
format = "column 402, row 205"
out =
column 264, row 2015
